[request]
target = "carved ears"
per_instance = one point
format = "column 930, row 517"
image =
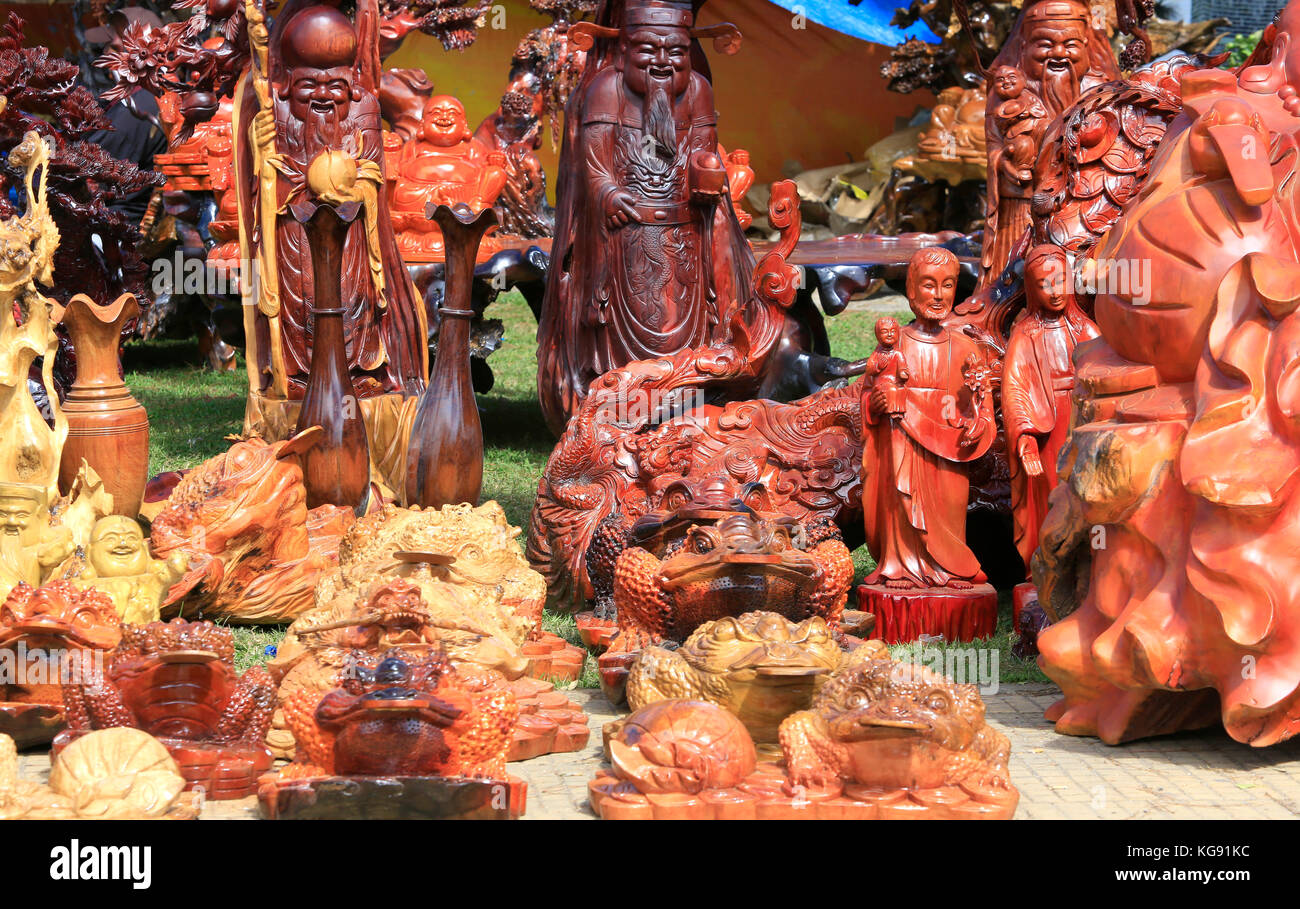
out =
column 583, row 35
column 726, row 37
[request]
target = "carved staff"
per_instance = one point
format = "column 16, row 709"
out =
column 265, row 160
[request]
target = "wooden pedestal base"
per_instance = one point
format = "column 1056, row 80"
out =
column 391, row 798
column 30, row 725
column 1021, row 596
column 221, row 771
column 905, row 615
column 766, row 795
column 596, row 633
column 552, row 657
column 549, row 723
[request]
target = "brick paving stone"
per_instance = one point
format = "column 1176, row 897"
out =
column 1192, row 775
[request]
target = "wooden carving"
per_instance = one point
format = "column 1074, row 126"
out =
column 107, row 428
column 953, row 147
column 49, row 634
column 118, row 562
column 177, row 682
column 1186, row 443
column 882, row 740
column 1054, row 53
column 444, row 164
column 113, row 774
column 255, row 550
column 648, row 254
column 1037, row 381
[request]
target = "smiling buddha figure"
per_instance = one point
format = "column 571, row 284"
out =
column 118, row 563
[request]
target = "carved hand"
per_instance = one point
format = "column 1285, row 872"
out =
column 1029, row 456
column 620, row 209
column 878, row 401
column 264, row 128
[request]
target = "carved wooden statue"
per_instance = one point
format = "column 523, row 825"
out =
column 919, row 436
column 1055, row 52
column 647, row 242
column 1168, row 558
column 443, row 165
column 313, row 92
column 1037, row 381
column 118, row 563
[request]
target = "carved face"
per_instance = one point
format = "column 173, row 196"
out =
column 320, row 96
column 931, row 289
column 886, row 332
column 1057, row 46
column 19, row 517
column 1008, row 82
column 61, row 611
column 657, row 54
column 117, row 548
column 1047, row 284
column 444, row 122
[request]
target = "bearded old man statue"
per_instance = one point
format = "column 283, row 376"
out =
column 647, row 245
column 323, row 81
column 1061, row 55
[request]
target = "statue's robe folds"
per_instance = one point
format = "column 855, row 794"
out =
column 1037, row 382
column 915, row 488
column 640, row 291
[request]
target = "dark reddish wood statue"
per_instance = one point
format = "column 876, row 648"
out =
column 177, row 682
column 1168, row 559
column 1055, row 52
column 647, row 243
column 1037, row 382
column 444, row 463
column 928, row 413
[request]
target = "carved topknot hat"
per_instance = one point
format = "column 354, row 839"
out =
column 726, row 37
column 657, row 12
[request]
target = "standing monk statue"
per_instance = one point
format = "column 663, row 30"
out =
column 648, row 253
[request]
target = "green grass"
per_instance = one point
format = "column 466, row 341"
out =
column 191, row 411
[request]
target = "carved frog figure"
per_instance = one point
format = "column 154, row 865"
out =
column 40, row 625
column 741, row 563
column 760, row 666
column 176, row 680
column 886, row 725
column 396, row 715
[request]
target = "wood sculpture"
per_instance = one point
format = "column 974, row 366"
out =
column 118, row 562
column 1053, row 54
column 444, row 461
column 49, row 634
column 953, row 147
column 177, row 682
column 113, row 774
column 107, row 428
column 515, row 131
column 336, row 469
column 409, row 737
column 420, row 616
column 31, row 449
column 648, row 255
column 644, row 439
column 443, row 165
column 920, row 433
column 883, row 740
column 255, row 550
column 1037, row 382
column 1185, row 439
column 760, row 666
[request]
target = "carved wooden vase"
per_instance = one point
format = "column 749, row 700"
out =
column 444, row 459
column 106, row 425
column 336, row 470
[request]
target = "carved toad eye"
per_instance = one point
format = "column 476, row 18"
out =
column 701, row 543
column 855, row 699
column 725, row 631
column 937, row 701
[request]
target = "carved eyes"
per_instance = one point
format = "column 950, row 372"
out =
column 937, row 701
column 855, row 700
column 700, row 542
column 725, row 631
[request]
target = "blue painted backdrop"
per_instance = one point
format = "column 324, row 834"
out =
column 869, row 20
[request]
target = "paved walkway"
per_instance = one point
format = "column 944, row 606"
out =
column 1203, row 775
